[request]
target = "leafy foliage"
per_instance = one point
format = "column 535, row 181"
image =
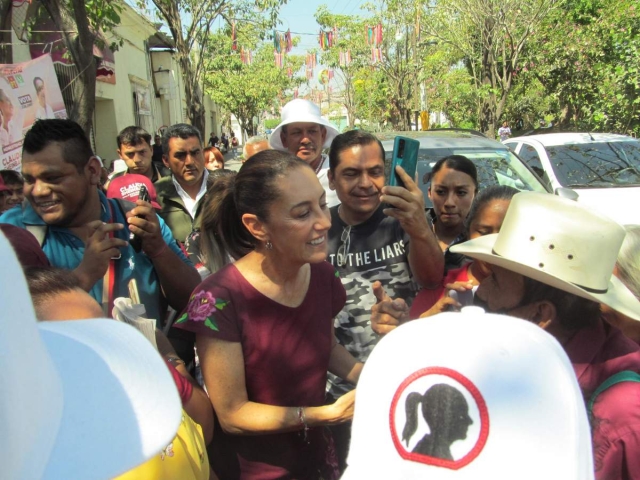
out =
column 191, row 24
column 490, row 35
column 587, row 57
column 246, row 90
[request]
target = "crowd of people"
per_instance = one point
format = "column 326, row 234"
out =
column 271, row 287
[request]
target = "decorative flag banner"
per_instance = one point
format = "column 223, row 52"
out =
column 32, row 89
column 246, row 56
column 289, row 72
column 376, row 55
column 328, row 39
column 312, row 60
column 295, row 92
column 280, row 42
column 279, row 58
column 234, row 41
column 345, row 58
column 288, row 41
column 374, row 35
column 323, row 77
column 330, row 74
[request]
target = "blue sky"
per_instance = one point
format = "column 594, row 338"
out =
column 297, row 15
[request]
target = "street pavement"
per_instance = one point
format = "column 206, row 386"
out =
column 231, row 161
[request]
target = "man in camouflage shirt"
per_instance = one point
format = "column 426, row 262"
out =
column 378, row 234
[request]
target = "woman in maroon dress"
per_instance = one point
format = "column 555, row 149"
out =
column 264, row 326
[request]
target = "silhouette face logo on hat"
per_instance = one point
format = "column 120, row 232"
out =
column 442, row 417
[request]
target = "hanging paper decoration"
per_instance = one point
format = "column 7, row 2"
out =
column 374, row 35
column 279, row 58
column 295, row 92
column 289, row 72
column 234, row 41
column 345, row 58
column 246, row 56
column 327, row 39
column 323, row 77
column 330, row 75
column 288, row 41
column 376, row 54
column 282, row 42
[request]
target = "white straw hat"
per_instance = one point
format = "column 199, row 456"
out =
column 469, row 396
column 86, row 399
column 303, row 111
column 560, row 243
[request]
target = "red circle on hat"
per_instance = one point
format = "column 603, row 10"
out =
column 435, row 460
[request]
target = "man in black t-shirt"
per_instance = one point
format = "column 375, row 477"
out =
column 378, row 234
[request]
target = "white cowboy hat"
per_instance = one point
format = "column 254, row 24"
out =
column 560, row 243
column 303, row 111
column 78, row 399
column 520, row 395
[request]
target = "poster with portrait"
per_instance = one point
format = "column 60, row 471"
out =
column 142, row 99
column 28, row 91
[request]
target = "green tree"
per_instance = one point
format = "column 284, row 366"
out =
column 401, row 63
column 246, row 90
column 372, row 92
column 79, row 21
column 491, row 36
column 587, row 57
column 191, row 24
column 350, row 38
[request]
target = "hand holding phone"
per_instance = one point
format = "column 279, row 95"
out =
column 135, row 240
column 405, row 154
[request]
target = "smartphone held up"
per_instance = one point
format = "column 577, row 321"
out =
column 134, row 240
column 405, row 154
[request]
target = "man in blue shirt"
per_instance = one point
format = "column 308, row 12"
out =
column 87, row 233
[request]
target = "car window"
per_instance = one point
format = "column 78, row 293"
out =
column 604, row 164
column 529, row 154
column 495, row 167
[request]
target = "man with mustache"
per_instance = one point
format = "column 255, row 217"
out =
column 181, row 195
column 304, row 133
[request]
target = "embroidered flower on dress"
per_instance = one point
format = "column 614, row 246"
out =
column 201, row 307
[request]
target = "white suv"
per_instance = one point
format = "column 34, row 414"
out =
column 602, row 168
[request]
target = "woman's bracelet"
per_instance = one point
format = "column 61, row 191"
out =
column 302, row 421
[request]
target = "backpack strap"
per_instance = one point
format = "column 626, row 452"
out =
column 40, row 231
column 623, row 376
column 125, row 206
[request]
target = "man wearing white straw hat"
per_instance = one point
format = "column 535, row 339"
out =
column 552, row 264
column 78, row 399
column 304, row 133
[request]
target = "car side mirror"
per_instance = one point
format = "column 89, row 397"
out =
column 568, row 193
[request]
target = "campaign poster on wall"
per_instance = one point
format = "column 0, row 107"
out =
column 28, row 91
